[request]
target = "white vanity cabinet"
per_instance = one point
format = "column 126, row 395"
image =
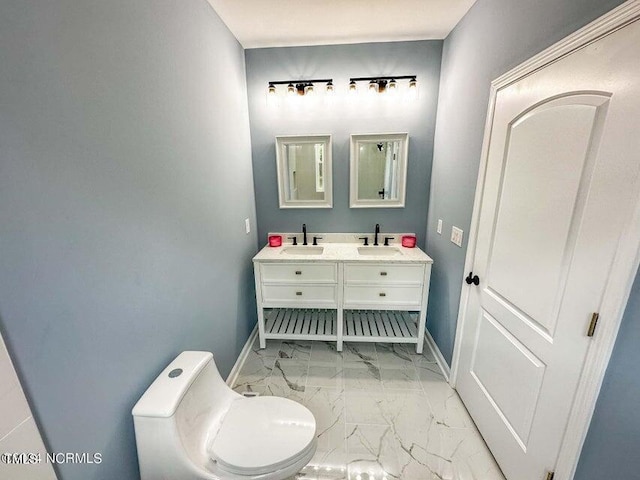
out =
column 386, row 302
column 339, row 296
column 297, row 300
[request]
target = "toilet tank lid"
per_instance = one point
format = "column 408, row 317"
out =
column 164, row 395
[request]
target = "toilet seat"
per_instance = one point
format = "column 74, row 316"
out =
column 263, row 434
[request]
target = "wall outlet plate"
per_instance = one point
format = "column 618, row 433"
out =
column 456, row 236
column 247, row 225
column 439, row 229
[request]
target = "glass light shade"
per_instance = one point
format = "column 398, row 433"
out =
column 308, row 90
column 373, row 86
column 272, row 89
column 291, row 90
column 413, row 89
column 330, row 88
column 352, row 87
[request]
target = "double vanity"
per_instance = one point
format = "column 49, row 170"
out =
column 342, row 291
column 351, row 287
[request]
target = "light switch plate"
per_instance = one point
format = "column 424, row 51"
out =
column 439, row 229
column 456, row 236
column 247, row 225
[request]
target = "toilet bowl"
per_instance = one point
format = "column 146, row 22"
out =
column 190, row 425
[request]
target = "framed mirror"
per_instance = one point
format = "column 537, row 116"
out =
column 304, row 171
column 378, row 170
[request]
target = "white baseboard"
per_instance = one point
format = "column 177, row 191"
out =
column 437, row 354
column 235, row 371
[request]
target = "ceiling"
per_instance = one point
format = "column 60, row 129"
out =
column 281, row 23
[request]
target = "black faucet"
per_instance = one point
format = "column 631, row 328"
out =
column 304, row 234
column 375, row 237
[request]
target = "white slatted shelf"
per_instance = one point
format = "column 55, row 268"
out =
column 301, row 324
column 380, row 326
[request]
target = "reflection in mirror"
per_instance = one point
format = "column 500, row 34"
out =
column 378, row 170
column 304, row 171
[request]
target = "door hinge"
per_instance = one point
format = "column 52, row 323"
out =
column 550, row 475
column 592, row 324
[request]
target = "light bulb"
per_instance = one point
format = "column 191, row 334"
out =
column 330, row 87
column 413, row 88
column 272, row 96
column 392, row 87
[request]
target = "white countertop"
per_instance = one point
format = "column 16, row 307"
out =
column 348, row 252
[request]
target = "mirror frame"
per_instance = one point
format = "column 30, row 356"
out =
column 281, row 142
column 403, row 138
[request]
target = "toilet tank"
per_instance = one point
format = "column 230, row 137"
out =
column 179, row 413
column 165, row 394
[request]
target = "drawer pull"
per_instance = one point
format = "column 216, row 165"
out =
column 384, row 274
column 299, row 294
column 382, row 294
column 298, row 272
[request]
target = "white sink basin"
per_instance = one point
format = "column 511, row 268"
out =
column 386, row 251
column 302, row 250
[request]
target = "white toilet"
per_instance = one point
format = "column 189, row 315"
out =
column 190, row 426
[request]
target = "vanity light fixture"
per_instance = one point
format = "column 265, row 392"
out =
column 384, row 84
column 301, row 87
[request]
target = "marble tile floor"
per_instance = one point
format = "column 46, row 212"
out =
column 383, row 412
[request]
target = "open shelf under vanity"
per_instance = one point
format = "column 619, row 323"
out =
column 395, row 326
column 357, row 326
column 301, row 324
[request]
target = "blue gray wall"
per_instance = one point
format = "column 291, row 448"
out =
column 613, row 442
column 125, row 179
column 341, row 119
column 495, row 36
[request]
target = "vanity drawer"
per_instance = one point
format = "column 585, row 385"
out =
column 381, row 273
column 303, row 294
column 361, row 296
column 299, row 272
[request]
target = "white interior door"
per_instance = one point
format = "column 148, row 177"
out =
column 560, row 184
